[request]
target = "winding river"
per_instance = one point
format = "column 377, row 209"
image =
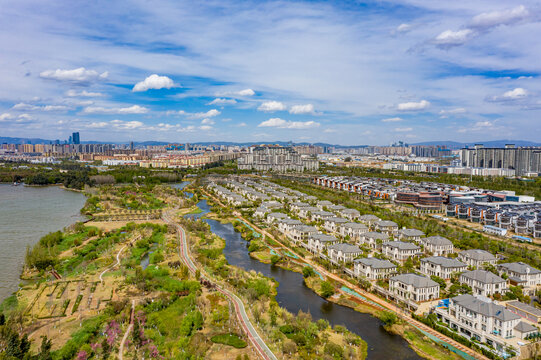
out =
column 293, row 295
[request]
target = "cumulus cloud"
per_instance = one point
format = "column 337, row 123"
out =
column 30, row 107
column 222, row 101
column 450, row 38
column 201, row 115
column 483, row 23
column 403, row 129
column 302, row 109
column 511, row 95
column 393, row 119
column 207, row 122
column 413, row 106
column 79, row 75
column 205, row 127
column 284, row 124
column 84, row 93
column 244, row 92
column 155, row 82
column 134, row 109
column 16, row 119
column 127, row 125
column 501, row 17
column 270, row 106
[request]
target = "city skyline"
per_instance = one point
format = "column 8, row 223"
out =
column 353, row 73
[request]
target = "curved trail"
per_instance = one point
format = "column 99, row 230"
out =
column 384, row 304
column 114, row 265
column 127, row 333
column 244, row 321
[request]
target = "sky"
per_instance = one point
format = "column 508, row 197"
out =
column 339, row 72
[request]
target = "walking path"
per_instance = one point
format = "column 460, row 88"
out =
column 127, row 333
column 373, row 298
column 244, row 321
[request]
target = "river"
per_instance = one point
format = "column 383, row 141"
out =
column 26, row 214
column 293, row 295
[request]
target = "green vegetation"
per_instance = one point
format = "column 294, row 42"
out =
column 327, row 289
column 229, row 339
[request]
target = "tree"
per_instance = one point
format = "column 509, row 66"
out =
column 389, row 318
column 45, row 349
column 326, row 289
column 274, row 259
column 308, row 271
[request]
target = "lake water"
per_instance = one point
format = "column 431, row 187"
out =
column 294, row 295
column 27, row 214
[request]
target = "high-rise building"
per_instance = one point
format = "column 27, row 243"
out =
column 75, row 138
column 276, row 158
column 523, row 160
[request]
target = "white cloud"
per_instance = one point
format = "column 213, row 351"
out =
column 244, row 92
column 394, row 119
column 84, row 93
column 127, row 125
column 270, row 106
column 80, row 75
column 222, row 101
column 515, row 93
column 97, row 125
column 30, row 107
column 511, row 95
column 201, row 115
column 403, row 28
column 451, row 38
column 55, row 108
column 283, row 124
column 302, row 109
column 134, row 109
column 207, row 122
column 16, row 119
column 405, row 129
column 155, row 82
column 329, row 131
column 6, row 116
column 501, row 17
column 205, row 127
column 242, row 124
column 413, row 106
column 453, row 111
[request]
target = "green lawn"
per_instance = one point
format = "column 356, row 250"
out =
column 229, row 339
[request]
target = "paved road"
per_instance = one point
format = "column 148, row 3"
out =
column 258, row 343
column 372, row 297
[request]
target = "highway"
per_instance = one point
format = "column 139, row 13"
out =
column 184, row 254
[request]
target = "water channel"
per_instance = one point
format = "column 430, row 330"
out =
column 293, row 295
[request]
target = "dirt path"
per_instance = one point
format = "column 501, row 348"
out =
column 127, row 333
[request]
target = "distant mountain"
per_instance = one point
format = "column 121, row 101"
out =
column 449, row 144
column 491, row 143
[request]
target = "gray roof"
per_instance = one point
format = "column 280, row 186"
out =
column 349, row 211
column 488, row 309
column 306, row 228
column 337, row 207
column 325, row 203
column 277, row 215
column 523, row 327
column 477, row 255
column 337, row 220
column 415, row 280
column 444, row 262
column 386, row 223
column 369, row 217
column 376, row 263
column 320, row 213
column 354, row 225
column 300, row 204
column 483, row 276
column 401, row 245
column 376, row 235
column 519, row 267
column 346, row 248
column 323, row 237
column 525, row 307
column 437, row 240
column 412, row 232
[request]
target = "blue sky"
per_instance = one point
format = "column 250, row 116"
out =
column 345, row 72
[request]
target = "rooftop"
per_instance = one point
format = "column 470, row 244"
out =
column 415, row 280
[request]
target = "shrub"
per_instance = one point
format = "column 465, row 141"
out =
column 326, row 289
column 229, row 339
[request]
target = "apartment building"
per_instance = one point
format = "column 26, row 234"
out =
column 318, row 243
column 410, row 235
column 437, row 245
column 374, row 239
column 522, row 274
column 353, row 230
column 343, row 252
column 300, row 234
column 385, row 226
column 333, row 224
